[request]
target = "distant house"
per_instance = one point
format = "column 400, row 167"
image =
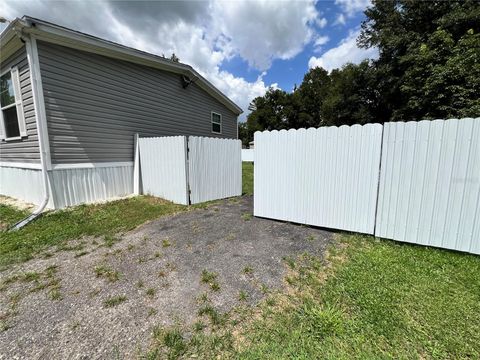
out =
column 71, row 104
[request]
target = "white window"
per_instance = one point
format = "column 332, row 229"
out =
column 12, row 121
column 216, row 123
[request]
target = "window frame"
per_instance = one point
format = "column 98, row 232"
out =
column 217, row 123
column 18, row 104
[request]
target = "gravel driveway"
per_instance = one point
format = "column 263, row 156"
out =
column 103, row 302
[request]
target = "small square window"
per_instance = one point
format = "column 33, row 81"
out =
column 216, row 123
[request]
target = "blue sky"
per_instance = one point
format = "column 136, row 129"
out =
column 242, row 47
column 287, row 73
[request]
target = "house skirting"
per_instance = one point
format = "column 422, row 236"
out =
column 70, row 184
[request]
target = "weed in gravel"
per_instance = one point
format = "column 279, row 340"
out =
column 130, row 247
column 55, row 294
column 166, row 243
column 157, row 254
column 242, row 295
column 151, row 312
column 203, row 299
column 114, row 301
column 107, row 273
column 140, row 284
column 162, row 273
column 230, row 237
column 150, row 292
column 80, row 254
column 109, row 240
column 248, row 270
column 310, row 237
column 247, row 216
column 94, row 293
column 31, row 276
column 170, row 266
column 210, row 278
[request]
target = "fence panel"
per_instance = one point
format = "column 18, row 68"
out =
column 248, row 155
column 163, row 167
column 215, row 168
column 430, row 184
column 324, row 177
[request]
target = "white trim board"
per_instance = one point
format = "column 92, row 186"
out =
column 36, row 166
column 91, row 165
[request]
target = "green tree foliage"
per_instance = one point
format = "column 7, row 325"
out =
column 428, row 67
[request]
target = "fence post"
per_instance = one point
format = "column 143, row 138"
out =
column 136, row 165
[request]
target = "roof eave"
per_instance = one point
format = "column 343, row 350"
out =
column 56, row 34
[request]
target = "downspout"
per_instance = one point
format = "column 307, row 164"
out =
column 32, row 57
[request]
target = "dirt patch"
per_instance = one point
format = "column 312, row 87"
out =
column 103, row 302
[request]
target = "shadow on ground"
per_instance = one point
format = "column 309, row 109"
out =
column 104, row 301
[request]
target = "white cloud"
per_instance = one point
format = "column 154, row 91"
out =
column 351, row 7
column 201, row 33
column 321, row 22
column 319, row 41
column 346, row 52
column 340, row 20
column 262, row 31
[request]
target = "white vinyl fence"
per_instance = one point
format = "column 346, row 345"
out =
column 417, row 182
column 430, row 184
column 163, row 167
column 190, row 170
column 324, row 177
column 214, row 168
column 247, row 155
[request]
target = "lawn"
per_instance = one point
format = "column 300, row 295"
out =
column 373, row 300
column 57, row 228
column 247, row 178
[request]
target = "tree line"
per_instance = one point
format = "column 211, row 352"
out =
column 428, row 68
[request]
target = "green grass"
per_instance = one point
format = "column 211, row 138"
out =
column 57, row 228
column 375, row 300
column 383, row 300
column 9, row 215
column 247, row 178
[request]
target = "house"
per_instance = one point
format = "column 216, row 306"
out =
column 72, row 103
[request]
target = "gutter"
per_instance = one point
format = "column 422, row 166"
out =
column 35, row 80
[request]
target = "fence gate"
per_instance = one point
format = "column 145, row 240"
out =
column 163, row 167
column 214, row 168
column 190, row 170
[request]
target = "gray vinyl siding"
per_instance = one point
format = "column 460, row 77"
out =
column 25, row 150
column 95, row 104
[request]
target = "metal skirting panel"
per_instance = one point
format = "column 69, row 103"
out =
column 247, row 155
column 23, row 184
column 430, row 184
column 215, row 168
column 88, row 185
column 325, row 177
column 163, row 167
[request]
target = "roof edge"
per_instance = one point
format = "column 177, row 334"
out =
column 53, row 33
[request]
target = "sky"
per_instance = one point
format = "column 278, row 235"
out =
column 242, row 47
